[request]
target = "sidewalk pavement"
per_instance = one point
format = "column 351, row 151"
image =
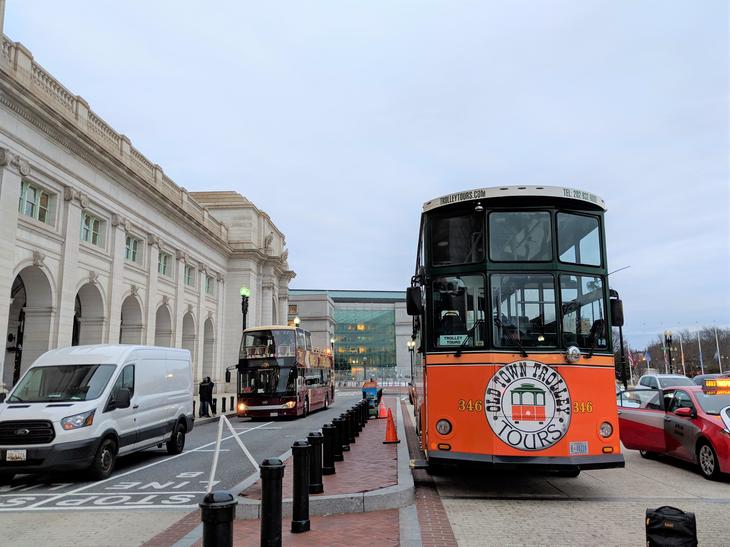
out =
column 369, row 500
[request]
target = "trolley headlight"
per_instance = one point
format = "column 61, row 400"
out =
column 443, row 427
column 289, row 404
column 84, row 419
column 241, row 407
column 606, row 429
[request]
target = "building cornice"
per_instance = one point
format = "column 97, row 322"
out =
column 32, row 93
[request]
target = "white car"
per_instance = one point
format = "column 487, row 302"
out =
column 81, row 407
column 661, row 381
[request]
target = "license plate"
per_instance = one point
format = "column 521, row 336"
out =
column 15, row 455
column 579, row 448
column 273, row 413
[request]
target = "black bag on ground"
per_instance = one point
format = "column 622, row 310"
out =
column 670, row 527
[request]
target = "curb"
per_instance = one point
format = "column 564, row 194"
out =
column 390, row 497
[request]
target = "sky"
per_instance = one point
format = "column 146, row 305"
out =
column 341, row 118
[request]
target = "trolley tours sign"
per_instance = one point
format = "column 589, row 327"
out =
column 528, row 405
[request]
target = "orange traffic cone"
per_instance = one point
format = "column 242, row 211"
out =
column 382, row 411
column 391, row 436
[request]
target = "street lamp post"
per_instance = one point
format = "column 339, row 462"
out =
column 411, row 349
column 245, row 293
column 668, row 343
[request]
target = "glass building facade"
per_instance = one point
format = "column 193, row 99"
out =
column 368, row 331
column 364, row 338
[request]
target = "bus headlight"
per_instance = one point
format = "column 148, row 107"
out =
column 443, row 427
column 606, row 429
column 241, row 407
column 289, row 404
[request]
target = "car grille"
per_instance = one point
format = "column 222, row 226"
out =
column 26, row 432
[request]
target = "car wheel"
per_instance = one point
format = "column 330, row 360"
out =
column 707, row 460
column 103, row 464
column 6, row 478
column 570, row 473
column 176, row 444
column 646, row 454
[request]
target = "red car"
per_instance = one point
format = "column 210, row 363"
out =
column 690, row 423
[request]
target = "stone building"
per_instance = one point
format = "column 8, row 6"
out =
column 99, row 245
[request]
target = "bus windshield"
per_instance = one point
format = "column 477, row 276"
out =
column 268, row 343
column 273, row 380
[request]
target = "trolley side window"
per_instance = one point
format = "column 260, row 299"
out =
column 524, row 310
column 520, row 237
column 583, row 311
column 458, row 311
column 578, row 239
column 457, row 239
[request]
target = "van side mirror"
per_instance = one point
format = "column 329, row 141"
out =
column 617, row 313
column 228, row 376
column 414, row 305
column 122, row 399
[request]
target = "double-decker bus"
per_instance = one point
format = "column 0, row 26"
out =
column 514, row 363
column 280, row 374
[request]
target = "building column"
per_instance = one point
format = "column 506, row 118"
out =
column 179, row 307
column 151, row 300
column 116, row 278
column 75, row 201
column 221, row 362
column 202, row 317
column 9, row 195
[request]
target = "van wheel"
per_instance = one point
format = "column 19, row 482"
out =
column 103, row 464
column 6, row 478
column 176, row 444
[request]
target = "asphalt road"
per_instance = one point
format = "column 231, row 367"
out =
column 153, row 479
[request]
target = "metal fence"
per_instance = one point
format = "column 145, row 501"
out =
column 386, row 377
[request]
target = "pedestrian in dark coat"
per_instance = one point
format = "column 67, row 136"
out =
column 206, row 394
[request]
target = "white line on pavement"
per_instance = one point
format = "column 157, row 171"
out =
column 135, row 470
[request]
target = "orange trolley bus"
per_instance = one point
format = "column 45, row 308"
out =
column 511, row 312
column 279, row 373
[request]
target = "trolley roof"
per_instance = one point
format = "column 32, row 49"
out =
column 515, row 191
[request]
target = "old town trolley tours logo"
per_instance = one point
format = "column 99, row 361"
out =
column 528, row 405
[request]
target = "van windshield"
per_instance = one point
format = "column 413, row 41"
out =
column 62, row 383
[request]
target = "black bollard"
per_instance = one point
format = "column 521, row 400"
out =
column 361, row 414
column 328, row 449
column 358, row 417
column 345, row 433
column 272, row 473
column 351, row 429
column 217, row 511
column 315, row 463
column 300, row 497
column 337, row 440
column 365, row 410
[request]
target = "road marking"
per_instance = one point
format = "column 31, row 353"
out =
column 135, row 470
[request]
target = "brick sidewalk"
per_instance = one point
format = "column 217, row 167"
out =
column 377, row 528
column 368, row 465
column 434, row 522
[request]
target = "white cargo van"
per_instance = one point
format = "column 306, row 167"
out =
column 81, row 407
